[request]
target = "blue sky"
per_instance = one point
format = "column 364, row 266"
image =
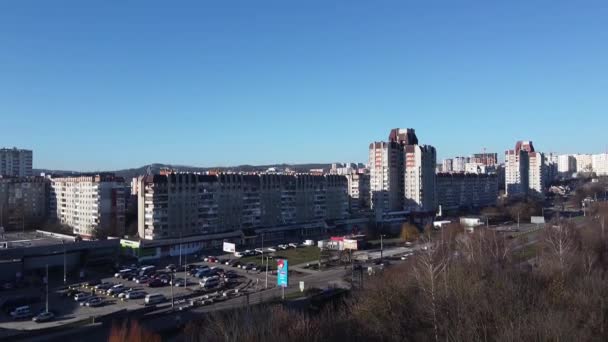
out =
column 92, row 85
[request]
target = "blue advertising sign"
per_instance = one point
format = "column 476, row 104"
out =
column 282, row 272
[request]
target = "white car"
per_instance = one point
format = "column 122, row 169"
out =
column 293, row 245
column 135, row 295
column 238, row 254
column 259, row 251
column 79, row 297
column 271, row 249
column 118, row 288
column 282, row 246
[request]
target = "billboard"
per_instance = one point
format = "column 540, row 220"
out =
column 229, row 247
column 282, row 273
column 350, row 244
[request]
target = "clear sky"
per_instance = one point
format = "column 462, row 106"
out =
column 92, row 85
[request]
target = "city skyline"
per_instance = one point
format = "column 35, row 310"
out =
column 114, row 86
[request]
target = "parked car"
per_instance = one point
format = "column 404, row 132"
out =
column 135, row 295
column 238, row 254
column 170, row 267
column 179, row 282
column 293, row 245
column 104, row 286
column 93, row 282
column 282, row 247
column 124, row 293
column 259, row 251
column 80, row 297
column 142, row 279
column 120, row 273
column 230, row 274
column 116, row 289
column 94, row 302
column 272, row 249
column 154, row 299
column 22, row 312
column 44, row 316
column 155, row 283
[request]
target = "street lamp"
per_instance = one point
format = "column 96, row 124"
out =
column 64, row 264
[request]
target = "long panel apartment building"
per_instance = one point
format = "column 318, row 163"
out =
column 90, row 203
column 456, row 191
column 185, row 204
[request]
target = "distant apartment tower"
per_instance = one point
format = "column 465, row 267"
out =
column 185, row 204
column 448, row 165
column 487, row 159
column 524, row 170
column 402, row 173
column 15, row 162
column 90, row 203
column 566, row 165
column 459, row 164
column 23, row 202
column 600, row 164
column 584, row 162
column 456, row 191
column 550, row 168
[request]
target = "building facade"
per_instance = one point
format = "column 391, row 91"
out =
column 487, row 159
column 459, row 164
column 23, row 202
column 566, row 165
column 358, row 192
column 600, row 164
column 90, row 203
column 448, row 165
column 15, row 162
column 186, row 204
column 584, row 162
column 457, row 191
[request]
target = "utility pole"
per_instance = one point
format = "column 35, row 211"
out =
column 180, row 247
column 381, row 247
column 47, row 287
column 262, row 247
column 172, row 298
column 518, row 220
column 267, row 271
column 64, row 264
column 186, row 270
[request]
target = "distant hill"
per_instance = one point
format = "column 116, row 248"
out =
column 156, row 167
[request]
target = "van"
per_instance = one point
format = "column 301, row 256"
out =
column 22, row 312
column 147, row 270
column 154, row 298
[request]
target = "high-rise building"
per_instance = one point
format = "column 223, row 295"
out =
column 402, row 173
column 15, row 162
column 23, row 201
column 551, row 165
column 487, row 159
column 566, row 165
column 185, row 204
column 600, row 164
column 448, row 165
column 460, row 164
column 524, row 170
column 90, row 203
column 584, row 162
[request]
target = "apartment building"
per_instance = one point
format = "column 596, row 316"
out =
column 15, row 162
column 487, row 159
column 90, row 203
column 600, row 164
column 524, row 170
column 456, row 191
column 402, row 173
column 566, row 165
column 358, row 192
column 185, row 204
column 551, row 165
column 459, row 164
column 584, row 162
column 447, row 165
column 23, row 202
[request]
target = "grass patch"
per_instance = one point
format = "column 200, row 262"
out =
column 295, row 256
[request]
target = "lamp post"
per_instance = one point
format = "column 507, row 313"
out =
column 47, row 287
column 267, row 271
column 65, row 278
